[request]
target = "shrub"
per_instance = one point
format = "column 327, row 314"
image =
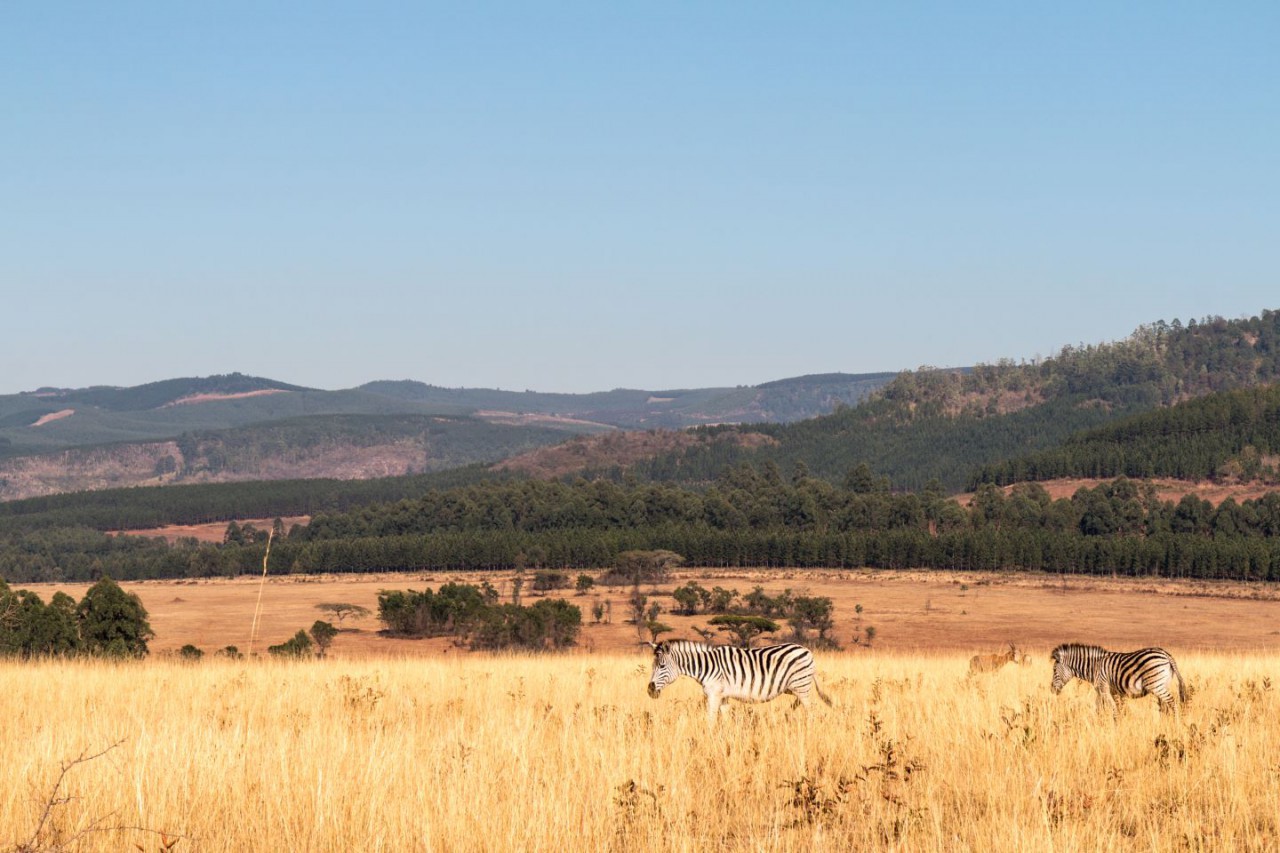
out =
column 297, row 646
column 636, row 567
column 545, row 580
column 548, row 624
column 744, row 628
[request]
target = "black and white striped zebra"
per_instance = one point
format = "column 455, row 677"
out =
column 1120, row 675
column 730, row 672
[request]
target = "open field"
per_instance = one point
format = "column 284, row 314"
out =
column 464, row 753
column 910, row 610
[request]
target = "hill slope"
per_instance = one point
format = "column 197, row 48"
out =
column 56, row 440
column 945, row 425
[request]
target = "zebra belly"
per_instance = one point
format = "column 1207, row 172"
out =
column 744, row 693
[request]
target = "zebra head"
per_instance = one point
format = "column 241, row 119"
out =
column 665, row 669
column 1062, row 671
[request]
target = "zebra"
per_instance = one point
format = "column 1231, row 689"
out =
column 1117, row 675
column 730, row 672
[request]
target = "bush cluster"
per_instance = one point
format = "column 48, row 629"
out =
column 473, row 616
column 107, row 621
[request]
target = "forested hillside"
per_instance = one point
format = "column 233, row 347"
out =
column 1230, row 435
column 947, row 425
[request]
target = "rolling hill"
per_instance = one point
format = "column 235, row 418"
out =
column 236, row 427
column 946, row 425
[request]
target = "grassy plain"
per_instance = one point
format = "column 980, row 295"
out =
column 911, row 611
column 463, row 753
column 411, row 745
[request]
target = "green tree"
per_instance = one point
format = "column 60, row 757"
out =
column 48, row 629
column 657, row 629
column 342, row 610
column 323, row 633
column 744, row 628
column 113, row 622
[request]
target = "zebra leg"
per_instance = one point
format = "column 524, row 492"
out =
column 1106, row 701
column 714, row 708
column 1168, row 703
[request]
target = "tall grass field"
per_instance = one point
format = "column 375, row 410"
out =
column 472, row 753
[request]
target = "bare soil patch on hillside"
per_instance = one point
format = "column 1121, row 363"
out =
column 1167, row 489
column 910, row 611
column 214, row 531
column 54, row 416
column 209, row 398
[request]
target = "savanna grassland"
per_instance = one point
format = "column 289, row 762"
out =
column 910, row 610
column 568, row 753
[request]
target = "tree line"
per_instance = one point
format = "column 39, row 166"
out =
column 749, row 517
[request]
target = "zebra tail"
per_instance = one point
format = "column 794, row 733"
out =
column 824, row 697
column 1182, row 688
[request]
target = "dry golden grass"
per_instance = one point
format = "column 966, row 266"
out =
column 466, row 753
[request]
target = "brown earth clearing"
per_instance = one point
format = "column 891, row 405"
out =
column 209, row 398
column 1167, row 489
column 214, row 531
column 910, row 611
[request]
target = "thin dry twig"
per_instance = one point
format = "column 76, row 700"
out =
column 55, row 799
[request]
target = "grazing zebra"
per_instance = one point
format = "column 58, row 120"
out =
column 729, row 672
column 1117, row 675
column 990, row 663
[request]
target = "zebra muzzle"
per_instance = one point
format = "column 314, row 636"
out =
column 653, row 690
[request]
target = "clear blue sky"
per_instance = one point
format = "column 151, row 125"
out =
column 576, row 197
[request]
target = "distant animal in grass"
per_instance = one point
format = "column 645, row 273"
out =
column 990, row 663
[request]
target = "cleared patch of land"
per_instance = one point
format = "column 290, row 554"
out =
column 54, row 416
column 1167, row 489
column 910, row 611
column 209, row 398
column 214, row 531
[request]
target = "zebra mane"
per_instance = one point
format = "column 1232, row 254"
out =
column 685, row 646
column 1078, row 647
